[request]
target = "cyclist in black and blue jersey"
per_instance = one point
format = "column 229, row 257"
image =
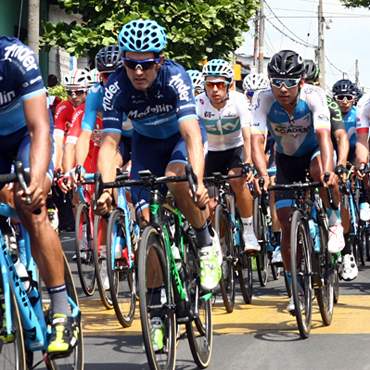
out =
column 26, row 134
column 156, row 94
column 297, row 116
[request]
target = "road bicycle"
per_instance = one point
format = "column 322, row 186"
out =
column 236, row 264
column 122, row 240
column 26, row 315
column 312, row 266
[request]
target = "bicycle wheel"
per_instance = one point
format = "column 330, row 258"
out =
column 76, row 359
column 362, row 244
column 200, row 328
column 244, row 267
column 12, row 354
column 287, row 285
column 227, row 282
column 301, row 271
column 122, row 277
column 85, row 250
column 100, row 260
column 336, row 286
column 260, row 229
column 368, row 243
column 154, row 273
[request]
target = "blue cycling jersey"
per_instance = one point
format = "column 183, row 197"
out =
column 94, row 102
column 155, row 112
column 350, row 123
column 20, row 79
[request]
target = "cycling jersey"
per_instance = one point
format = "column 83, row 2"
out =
column 20, row 79
column 224, row 125
column 94, row 103
column 350, row 122
column 63, row 118
column 363, row 115
column 155, row 112
column 294, row 135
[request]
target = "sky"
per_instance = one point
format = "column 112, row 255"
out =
column 293, row 25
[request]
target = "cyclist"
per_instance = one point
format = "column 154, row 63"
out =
column 253, row 82
column 227, row 120
column 197, row 81
column 298, row 118
column 27, row 135
column 155, row 93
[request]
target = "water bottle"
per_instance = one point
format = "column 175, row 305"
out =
column 315, row 233
column 176, row 256
column 237, row 233
column 22, row 273
column 317, row 240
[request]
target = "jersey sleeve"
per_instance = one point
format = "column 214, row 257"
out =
column 259, row 113
column 244, row 110
column 336, row 118
column 319, row 107
column 92, row 106
column 363, row 115
column 75, row 128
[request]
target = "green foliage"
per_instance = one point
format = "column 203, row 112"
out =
column 196, row 29
column 356, row 3
column 58, row 90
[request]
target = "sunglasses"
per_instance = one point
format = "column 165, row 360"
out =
column 342, row 97
column 250, row 93
column 288, row 82
column 75, row 92
column 197, row 92
column 143, row 64
column 219, row 84
column 105, row 75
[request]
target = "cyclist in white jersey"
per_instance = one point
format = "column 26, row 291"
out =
column 297, row 116
column 226, row 116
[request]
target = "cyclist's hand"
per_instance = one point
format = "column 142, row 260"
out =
column 266, row 184
column 342, row 173
column 65, row 183
column 331, row 182
column 78, row 175
column 248, row 171
column 202, row 196
column 35, row 193
column 103, row 205
column 359, row 169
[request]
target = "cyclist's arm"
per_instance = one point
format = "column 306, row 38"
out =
column 83, row 146
column 326, row 149
column 58, row 149
column 246, row 131
column 69, row 155
column 362, row 147
column 107, row 152
column 341, row 138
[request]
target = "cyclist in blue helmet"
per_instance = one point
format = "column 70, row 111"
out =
column 156, row 95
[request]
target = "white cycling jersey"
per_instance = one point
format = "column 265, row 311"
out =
column 363, row 115
column 224, row 126
column 294, row 135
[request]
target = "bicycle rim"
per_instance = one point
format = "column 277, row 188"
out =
column 12, row 356
column 122, row 278
column 86, row 265
column 301, row 271
column 105, row 295
column 153, row 267
column 200, row 328
column 227, row 282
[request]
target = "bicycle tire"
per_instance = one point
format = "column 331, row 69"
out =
column 200, row 328
column 105, row 295
column 122, row 278
column 368, row 243
column 336, row 286
column 152, row 244
column 13, row 354
column 287, row 285
column 244, row 266
column 86, row 266
column 227, row 282
column 362, row 245
column 260, row 229
column 76, row 360
column 325, row 294
column 301, row 272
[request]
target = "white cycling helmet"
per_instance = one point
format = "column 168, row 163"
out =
column 196, row 79
column 76, row 78
column 255, row 81
column 93, row 77
column 219, row 67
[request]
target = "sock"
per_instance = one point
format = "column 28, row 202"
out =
column 203, row 235
column 334, row 216
column 248, row 224
column 277, row 237
column 59, row 300
column 347, row 246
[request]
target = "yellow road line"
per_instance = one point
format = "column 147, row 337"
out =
column 264, row 315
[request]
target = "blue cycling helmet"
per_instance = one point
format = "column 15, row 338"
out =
column 219, row 67
column 141, row 36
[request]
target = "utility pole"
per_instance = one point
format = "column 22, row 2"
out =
column 262, row 37
column 33, row 34
column 256, row 32
column 357, row 75
column 321, row 45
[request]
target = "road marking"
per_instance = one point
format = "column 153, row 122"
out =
column 265, row 315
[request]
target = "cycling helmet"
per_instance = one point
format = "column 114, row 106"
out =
column 108, row 59
column 219, row 67
column 196, row 79
column 344, row 87
column 141, row 36
column 286, row 64
column 311, row 70
column 76, row 78
column 93, row 77
column 359, row 93
column 255, row 81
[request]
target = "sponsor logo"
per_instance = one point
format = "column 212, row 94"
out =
column 208, row 114
column 109, row 94
column 181, row 87
column 6, row 97
column 157, row 109
column 24, row 54
column 323, row 117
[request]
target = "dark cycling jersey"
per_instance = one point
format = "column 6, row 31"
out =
column 155, row 112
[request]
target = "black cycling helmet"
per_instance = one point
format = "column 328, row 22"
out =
column 311, row 70
column 286, row 64
column 344, row 87
column 108, row 59
column 359, row 93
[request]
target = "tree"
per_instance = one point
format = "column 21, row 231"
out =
column 196, row 29
column 356, row 3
